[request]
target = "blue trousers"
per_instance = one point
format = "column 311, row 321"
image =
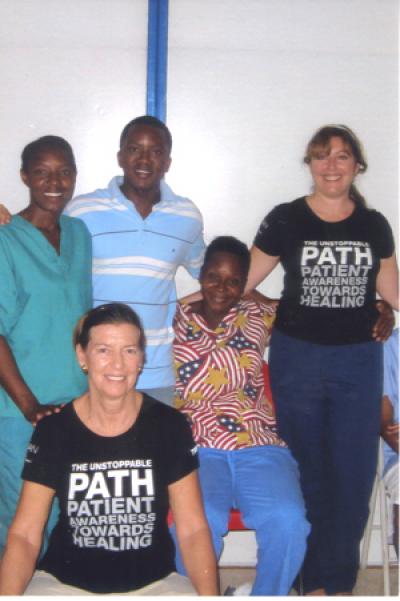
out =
column 15, row 434
column 263, row 482
column 328, row 402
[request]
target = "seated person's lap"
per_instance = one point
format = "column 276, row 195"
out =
column 45, row 584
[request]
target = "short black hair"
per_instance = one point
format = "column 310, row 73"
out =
column 151, row 122
column 231, row 245
column 109, row 313
column 44, row 143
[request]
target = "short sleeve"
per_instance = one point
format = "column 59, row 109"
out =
column 182, row 456
column 40, row 464
column 383, row 236
column 194, row 258
column 271, row 232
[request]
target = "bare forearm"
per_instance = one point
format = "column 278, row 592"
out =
column 387, row 282
column 261, row 266
column 17, row 565
column 200, row 563
column 13, row 383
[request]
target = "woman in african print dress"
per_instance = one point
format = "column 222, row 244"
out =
column 219, row 347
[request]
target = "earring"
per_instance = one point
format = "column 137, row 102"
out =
column 84, row 369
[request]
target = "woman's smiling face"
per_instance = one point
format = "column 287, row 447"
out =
column 113, row 358
column 50, row 177
column 333, row 169
column 222, row 283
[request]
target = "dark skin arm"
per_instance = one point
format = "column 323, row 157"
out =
column 382, row 328
column 381, row 331
column 15, row 386
column 389, row 430
column 255, row 295
column 5, row 215
column 384, row 324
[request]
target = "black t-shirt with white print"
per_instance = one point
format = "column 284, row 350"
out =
column 330, row 271
column 112, row 534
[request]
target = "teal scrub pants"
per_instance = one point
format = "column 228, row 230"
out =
column 15, row 434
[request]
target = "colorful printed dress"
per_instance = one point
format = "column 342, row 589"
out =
column 243, row 462
column 219, row 377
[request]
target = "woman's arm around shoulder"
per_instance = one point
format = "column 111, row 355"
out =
column 25, row 538
column 193, row 534
column 268, row 243
column 387, row 282
column 387, row 285
column 261, row 266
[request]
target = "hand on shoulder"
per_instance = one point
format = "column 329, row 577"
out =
column 5, row 215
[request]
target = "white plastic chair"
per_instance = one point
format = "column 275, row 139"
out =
column 378, row 493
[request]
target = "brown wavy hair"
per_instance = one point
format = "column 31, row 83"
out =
column 321, row 141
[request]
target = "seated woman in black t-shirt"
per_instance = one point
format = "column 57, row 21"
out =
column 117, row 460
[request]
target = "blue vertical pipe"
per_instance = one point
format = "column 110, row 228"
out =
column 157, row 59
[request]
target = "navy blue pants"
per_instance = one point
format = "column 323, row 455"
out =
column 328, row 401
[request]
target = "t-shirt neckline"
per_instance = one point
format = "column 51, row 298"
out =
column 333, row 223
column 127, row 432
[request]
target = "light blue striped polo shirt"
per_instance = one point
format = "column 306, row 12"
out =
column 135, row 262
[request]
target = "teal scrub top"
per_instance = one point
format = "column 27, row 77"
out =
column 42, row 296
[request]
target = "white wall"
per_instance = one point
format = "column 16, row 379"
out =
column 248, row 83
column 75, row 68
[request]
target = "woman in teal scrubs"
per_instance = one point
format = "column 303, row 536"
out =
column 45, row 286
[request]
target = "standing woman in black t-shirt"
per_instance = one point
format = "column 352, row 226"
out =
column 325, row 354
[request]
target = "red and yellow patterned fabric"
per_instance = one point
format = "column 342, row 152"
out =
column 219, row 377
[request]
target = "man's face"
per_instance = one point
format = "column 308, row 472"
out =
column 144, row 158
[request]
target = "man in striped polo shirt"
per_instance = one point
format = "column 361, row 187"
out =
column 141, row 233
